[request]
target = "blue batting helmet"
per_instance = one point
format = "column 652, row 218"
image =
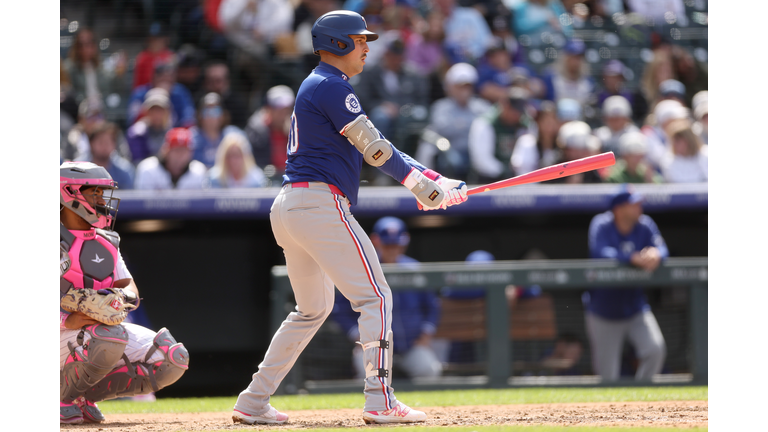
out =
column 336, row 26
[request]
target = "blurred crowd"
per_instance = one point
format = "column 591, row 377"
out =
column 476, row 89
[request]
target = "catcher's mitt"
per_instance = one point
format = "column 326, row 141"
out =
column 107, row 306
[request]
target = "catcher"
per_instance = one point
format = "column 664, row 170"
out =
column 102, row 358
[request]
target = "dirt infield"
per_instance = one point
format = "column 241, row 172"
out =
column 685, row 414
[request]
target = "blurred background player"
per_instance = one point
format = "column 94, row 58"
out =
column 613, row 315
column 98, row 361
column 323, row 243
column 415, row 314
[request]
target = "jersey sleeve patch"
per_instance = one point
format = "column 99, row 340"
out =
column 353, row 105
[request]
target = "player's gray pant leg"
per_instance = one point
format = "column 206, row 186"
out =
column 645, row 335
column 323, row 244
column 606, row 338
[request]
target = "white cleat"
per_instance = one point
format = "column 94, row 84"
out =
column 272, row 416
column 399, row 414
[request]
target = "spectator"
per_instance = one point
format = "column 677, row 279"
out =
column 672, row 89
column 217, row 81
column 614, row 85
column 254, row 25
column 467, row 35
column 570, row 77
column 305, row 15
column 565, row 355
column 698, row 98
column 89, row 115
column 531, row 18
column 173, row 167
column 415, row 313
column 182, row 106
column 617, row 116
column 269, row 127
column 67, row 103
column 103, row 143
column 664, row 114
column 235, row 167
column 568, row 110
column 656, row 9
column 492, row 137
column 701, row 126
column 450, row 119
column 189, row 69
column 494, row 72
column 576, row 141
column 657, row 71
column 687, row 159
column 212, row 126
column 424, row 48
column 631, row 166
column 146, row 136
column 155, row 51
column 89, row 76
column 388, row 87
column 538, row 147
column 612, row 315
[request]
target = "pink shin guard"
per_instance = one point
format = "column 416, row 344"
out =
column 87, row 367
column 143, row 377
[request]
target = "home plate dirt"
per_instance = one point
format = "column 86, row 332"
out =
column 682, row 414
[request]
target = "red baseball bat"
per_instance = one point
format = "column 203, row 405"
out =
column 564, row 169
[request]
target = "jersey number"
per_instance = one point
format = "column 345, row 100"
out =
column 293, row 136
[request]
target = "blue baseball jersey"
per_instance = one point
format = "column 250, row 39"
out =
column 317, row 151
column 605, row 241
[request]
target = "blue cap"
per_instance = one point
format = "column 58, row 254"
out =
column 626, row 194
column 392, row 230
column 575, row 47
column 480, row 256
column 672, row 87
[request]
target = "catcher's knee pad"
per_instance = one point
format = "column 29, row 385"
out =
column 85, row 368
column 143, row 377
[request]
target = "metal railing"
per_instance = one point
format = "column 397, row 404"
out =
column 494, row 277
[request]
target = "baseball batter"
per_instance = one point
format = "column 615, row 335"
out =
column 101, row 357
column 330, row 139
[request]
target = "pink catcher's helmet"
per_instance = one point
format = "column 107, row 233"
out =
column 75, row 176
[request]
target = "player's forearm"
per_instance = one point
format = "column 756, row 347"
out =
column 399, row 165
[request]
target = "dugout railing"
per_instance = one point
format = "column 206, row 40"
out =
column 495, row 277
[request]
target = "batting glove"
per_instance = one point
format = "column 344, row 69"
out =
column 455, row 191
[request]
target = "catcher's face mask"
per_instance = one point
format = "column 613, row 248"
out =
column 95, row 204
column 86, row 189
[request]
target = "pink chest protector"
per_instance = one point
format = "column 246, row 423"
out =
column 92, row 258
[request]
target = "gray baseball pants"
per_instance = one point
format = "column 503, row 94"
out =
column 606, row 338
column 323, row 245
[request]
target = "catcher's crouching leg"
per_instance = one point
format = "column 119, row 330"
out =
column 143, row 377
column 83, row 369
